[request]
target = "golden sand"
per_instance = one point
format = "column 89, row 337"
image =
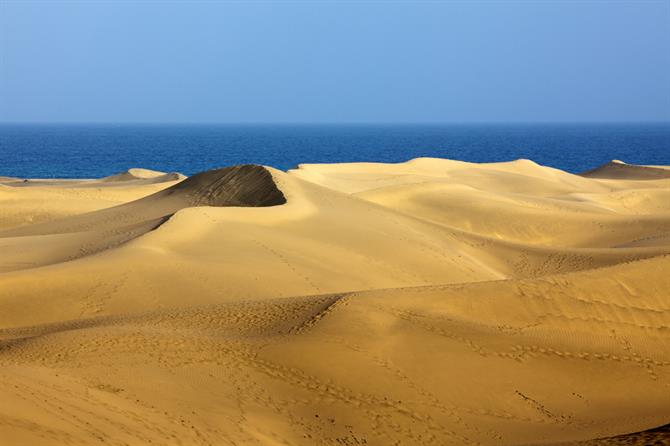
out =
column 432, row 302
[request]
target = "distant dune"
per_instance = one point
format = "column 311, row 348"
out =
column 616, row 169
column 431, row 302
column 143, row 175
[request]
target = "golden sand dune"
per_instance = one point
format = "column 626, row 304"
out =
column 24, row 202
column 428, row 302
column 86, row 234
column 143, row 175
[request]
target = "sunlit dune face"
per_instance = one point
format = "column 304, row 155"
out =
column 427, row 302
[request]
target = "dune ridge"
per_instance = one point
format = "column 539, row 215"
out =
column 618, row 169
column 149, row 176
column 107, row 228
column 427, row 302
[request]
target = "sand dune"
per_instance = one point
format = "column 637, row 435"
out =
column 25, row 202
column 428, row 302
column 616, row 169
column 52, row 242
column 143, row 175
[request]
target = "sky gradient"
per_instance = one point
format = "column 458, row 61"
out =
column 283, row 62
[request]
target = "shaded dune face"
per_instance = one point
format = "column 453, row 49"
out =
column 619, row 170
column 245, row 185
column 90, row 233
column 659, row 436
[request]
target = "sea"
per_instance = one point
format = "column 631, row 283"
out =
column 98, row 150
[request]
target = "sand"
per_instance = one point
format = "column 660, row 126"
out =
column 430, row 302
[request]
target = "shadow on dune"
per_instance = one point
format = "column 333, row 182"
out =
column 238, row 186
column 618, row 170
column 659, row 436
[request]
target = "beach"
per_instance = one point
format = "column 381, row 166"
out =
column 430, row 302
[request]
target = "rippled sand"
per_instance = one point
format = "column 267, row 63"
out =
column 429, row 302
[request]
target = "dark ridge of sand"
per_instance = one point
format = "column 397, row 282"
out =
column 659, row 436
column 617, row 170
column 239, row 186
column 245, row 186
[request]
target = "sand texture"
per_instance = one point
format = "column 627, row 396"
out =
column 432, row 302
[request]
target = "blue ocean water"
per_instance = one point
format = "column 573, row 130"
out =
column 91, row 151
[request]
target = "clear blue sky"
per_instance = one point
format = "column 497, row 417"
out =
column 302, row 61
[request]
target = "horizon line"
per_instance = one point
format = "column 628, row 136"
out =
column 330, row 123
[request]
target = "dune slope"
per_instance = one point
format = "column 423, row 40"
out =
column 616, row 169
column 89, row 233
column 428, row 302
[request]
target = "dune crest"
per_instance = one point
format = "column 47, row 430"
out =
column 432, row 302
column 617, row 169
column 244, row 185
column 90, row 233
column 145, row 175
